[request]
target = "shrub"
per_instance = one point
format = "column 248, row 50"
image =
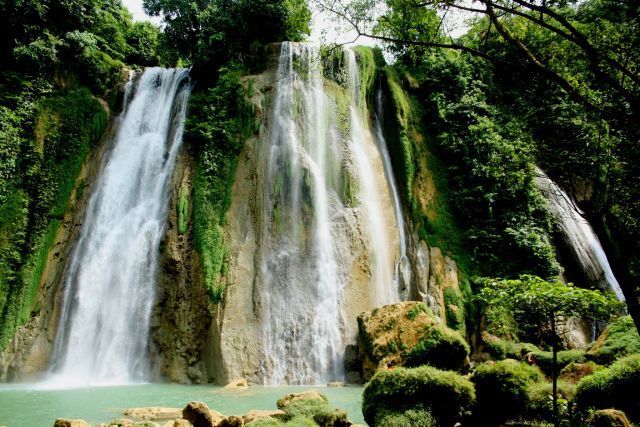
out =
column 575, row 371
column 444, row 394
column 315, row 408
column 608, row 418
column 544, row 359
column 615, row 387
column 618, row 340
column 506, row 349
column 413, row 418
column 441, row 347
column 503, row 387
column 540, row 405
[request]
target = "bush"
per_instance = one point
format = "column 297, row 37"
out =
column 444, row 394
column 300, row 411
column 540, row 406
column 575, row 371
column 615, row 387
column 441, row 347
column 608, row 418
column 413, row 418
column 544, row 359
column 503, row 387
column 618, row 340
column 506, row 349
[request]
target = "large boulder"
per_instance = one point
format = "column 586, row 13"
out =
column 239, row 384
column 608, row 418
column 231, row 421
column 199, row 415
column 408, row 334
column 255, row 415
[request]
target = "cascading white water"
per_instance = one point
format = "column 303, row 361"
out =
column 301, row 280
column 402, row 276
column 579, row 235
column 110, row 278
column 369, row 196
column 302, row 289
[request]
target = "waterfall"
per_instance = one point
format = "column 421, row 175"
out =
column 402, row 275
column 110, row 278
column 302, row 279
column 360, row 143
column 579, row 235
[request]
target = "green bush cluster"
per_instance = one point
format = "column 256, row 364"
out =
column 544, row 359
column 440, row 347
column 316, row 410
column 614, row 387
column 443, row 394
column 219, row 121
column 618, row 340
column 502, row 388
column 455, row 310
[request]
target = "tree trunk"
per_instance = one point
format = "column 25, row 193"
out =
column 554, row 370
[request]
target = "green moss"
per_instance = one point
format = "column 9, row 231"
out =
column 454, row 310
column 66, row 127
column 615, row 387
column 219, row 122
column 503, row 388
column 618, row 340
column 182, row 208
column 440, row 347
column 416, row 310
column 544, row 359
column 411, row 417
column 444, row 394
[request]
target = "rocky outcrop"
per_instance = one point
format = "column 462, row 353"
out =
column 63, row 422
column 198, row 414
column 181, row 315
column 407, row 333
column 153, row 413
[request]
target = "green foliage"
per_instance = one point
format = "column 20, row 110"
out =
column 417, row 309
column 614, row 387
column 317, row 410
column 219, row 121
column 211, row 33
column 454, row 310
column 440, row 347
column 501, row 349
column 544, row 359
column 539, row 304
column 182, row 208
column 411, row 417
column 502, row 388
column 618, row 340
column 65, row 127
column 540, row 406
column 444, row 394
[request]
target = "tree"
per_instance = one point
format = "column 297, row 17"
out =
column 550, row 305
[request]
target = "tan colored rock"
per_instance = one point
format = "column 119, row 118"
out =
column 254, row 415
column 64, row 422
column 121, row 422
column 305, row 395
column 239, row 384
column 153, row 413
column 231, row 421
column 180, row 422
column 391, row 327
column 608, row 418
column 198, row 414
column 335, row 384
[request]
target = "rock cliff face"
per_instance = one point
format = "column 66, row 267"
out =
column 181, row 314
column 28, row 354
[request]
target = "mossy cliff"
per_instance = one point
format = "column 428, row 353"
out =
column 62, row 156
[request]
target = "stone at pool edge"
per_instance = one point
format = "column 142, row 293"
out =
column 199, row 414
column 153, row 413
column 65, row 422
column 236, row 385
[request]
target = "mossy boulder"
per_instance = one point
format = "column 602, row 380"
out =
column 619, row 339
column 544, row 359
column 608, row 418
column 614, row 387
column 576, row 371
column 407, row 334
column 445, row 395
column 299, row 408
column 502, row 388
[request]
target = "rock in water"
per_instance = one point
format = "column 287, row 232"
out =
column 232, row 421
column 153, row 413
column 254, row 415
column 236, row 385
column 306, row 395
column 63, row 422
column 198, row 414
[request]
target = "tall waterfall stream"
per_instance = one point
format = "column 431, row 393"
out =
column 111, row 274
column 579, row 235
column 302, row 278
